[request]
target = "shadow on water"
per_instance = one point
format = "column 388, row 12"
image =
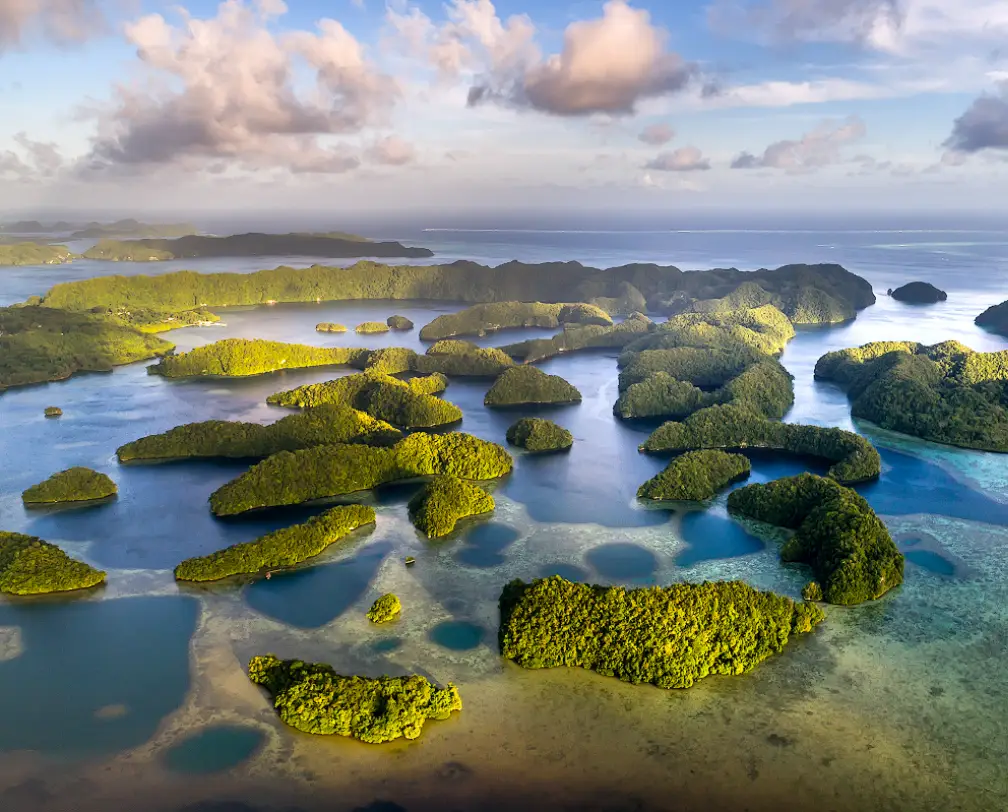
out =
column 94, row 677
column 484, row 545
column 458, row 635
column 710, row 535
column 312, row 597
column 214, row 749
column 622, row 561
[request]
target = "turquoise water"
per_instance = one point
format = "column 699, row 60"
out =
column 896, row 705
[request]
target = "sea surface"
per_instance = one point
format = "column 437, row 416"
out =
column 135, row 696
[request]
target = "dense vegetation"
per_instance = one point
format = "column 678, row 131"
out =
column 462, row 359
column 131, row 228
column 696, row 476
column 481, row 319
column 76, row 484
column 387, row 607
column 802, row 301
column 291, row 478
column 237, row 357
column 994, row 318
column 313, row 698
column 321, row 425
column 39, row 344
column 282, row 548
column 945, row 393
column 918, row 293
column 736, row 428
column 372, row 327
column 147, row 320
column 837, row 534
column 668, row 636
column 445, row 500
column 330, row 327
column 53, row 411
column 525, row 384
column 249, row 245
column 30, row 566
column 538, row 435
column 575, row 337
column 399, row 323
column 32, row 253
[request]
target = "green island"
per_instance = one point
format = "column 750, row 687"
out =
column 53, row 411
column 147, row 320
column 387, row 607
column 696, row 476
column 836, row 533
column 330, row 327
column 538, row 435
column 407, row 404
column 946, row 393
column 800, row 298
column 918, row 293
column 994, row 319
column 191, row 246
column 462, row 359
column 443, row 501
column 131, row 228
column 368, row 327
column 666, row 636
column 33, row 253
column 490, row 317
column 323, row 472
column 737, row 428
column 577, row 337
column 313, row 698
column 399, row 323
column 528, row 385
column 239, row 357
column 40, row 344
column 36, row 227
column 280, row 549
column 75, row 484
column 30, row 566
column 226, row 439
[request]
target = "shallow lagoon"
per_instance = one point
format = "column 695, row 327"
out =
column 897, row 705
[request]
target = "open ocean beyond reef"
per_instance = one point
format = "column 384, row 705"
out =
column 135, row 697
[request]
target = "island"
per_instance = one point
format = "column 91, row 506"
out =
column 250, row 245
column 386, row 608
column 836, row 533
column 481, row 319
column 918, row 293
column 295, row 477
column 696, row 476
column 525, row 385
column 148, row 320
column 372, row 327
column 736, row 428
column 578, row 337
column 32, row 253
column 31, row 566
column 462, row 359
column 538, row 435
column 945, row 393
column 134, row 228
column 399, row 323
column 280, row 549
column 994, row 319
column 443, row 501
column 35, row 227
column 224, row 439
column 241, row 357
column 75, row 484
column 330, row 327
column 313, row 698
column 53, row 411
column 666, row 636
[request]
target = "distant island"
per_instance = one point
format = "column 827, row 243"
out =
column 120, row 228
column 33, row 253
column 192, row 246
column 918, row 293
column 994, row 319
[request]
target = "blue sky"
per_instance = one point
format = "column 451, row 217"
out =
column 847, row 104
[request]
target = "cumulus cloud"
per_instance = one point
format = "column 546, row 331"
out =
column 32, row 161
column 392, row 151
column 983, row 126
column 656, row 134
column 61, row 21
column 820, row 146
column 684, row 159
column 222, row 89
column 606, row 65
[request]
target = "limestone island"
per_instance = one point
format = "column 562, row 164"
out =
column 481, row 319
column 524, row 385
column 330, row 327
column 399, row 323
column 580, row 337
column 280, row 549
column 386, row 608
column 994, row 319
column 32, row 253
column 667, row 636
column 445, row 500
column 696, row 476
column 735, row 428
column 945, row 393
column 295, row 477
column 133, row 228
column 241, row 357
column 223, row 439
column 368, row 327
column 538, row 435
column 30, row 566
column 148, row 320
column 462, row 359
column 53, row 411
column 836, row 533
column 250, row 245
column 918, row 293
column 76, row 484
column 313, row 698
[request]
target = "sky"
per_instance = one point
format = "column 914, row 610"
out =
column 364, row 106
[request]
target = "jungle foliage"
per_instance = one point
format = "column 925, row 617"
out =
column 538, row 435
column 238, row 357
column 77, row 484
column 528, row 385
column 696, row 476
column 445, row 500
column 30, row 566
column 387, row 607
column 575, row 337
column 486, row 318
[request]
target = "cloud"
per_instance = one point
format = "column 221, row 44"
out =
column 983, row 126
column 684, row 159
column 656, row 134
column 62, row 21
column 223, row 89
column 392, row 151
column 35, row 161
column 818, row 147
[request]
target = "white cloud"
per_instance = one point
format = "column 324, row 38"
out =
column 819, row 147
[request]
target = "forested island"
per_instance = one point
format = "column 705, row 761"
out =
column 31, row 566
column 481, row 319
column 918, row 293
column 444, row 501
column 33, row 253
column 525, row 385
column 695, row 476
column 120, row 228
column 539, row 436
column 946, row 393
column 994, row 318
column 77, row 484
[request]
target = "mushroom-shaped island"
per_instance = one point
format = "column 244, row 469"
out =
column 399, row 323
column 918, row 293
column 77, row 484
column 53, row 411
column 538, row 435
column 387, row 607
column 445, row 500
column 523, row 385
column 372, row 327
